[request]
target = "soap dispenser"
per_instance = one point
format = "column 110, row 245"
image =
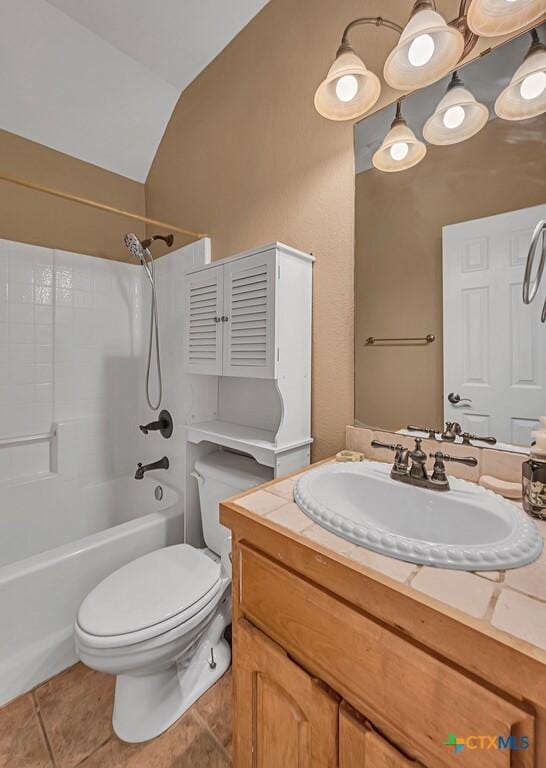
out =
column 534, row 475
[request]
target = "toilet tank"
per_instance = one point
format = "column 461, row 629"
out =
column 220, row 475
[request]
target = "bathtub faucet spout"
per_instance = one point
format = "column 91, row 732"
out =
column 143, row 468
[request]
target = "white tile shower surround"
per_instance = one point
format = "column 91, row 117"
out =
column 73, row 332
column 70, row 341
column 73, row 342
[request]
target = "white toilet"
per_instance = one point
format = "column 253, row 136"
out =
column 158, row 622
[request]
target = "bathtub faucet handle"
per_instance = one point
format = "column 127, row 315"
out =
column 164, row 424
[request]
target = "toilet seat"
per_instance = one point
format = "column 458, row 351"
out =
column 149, row 597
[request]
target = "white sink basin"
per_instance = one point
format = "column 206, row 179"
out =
column 467, row 528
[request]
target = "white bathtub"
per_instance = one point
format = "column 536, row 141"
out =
column 58, row 540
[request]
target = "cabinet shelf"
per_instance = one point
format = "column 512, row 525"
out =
column 260, row 443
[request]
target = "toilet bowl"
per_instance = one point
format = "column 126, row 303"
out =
column 158, row 622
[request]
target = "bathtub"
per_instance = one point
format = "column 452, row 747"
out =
column 57, row 541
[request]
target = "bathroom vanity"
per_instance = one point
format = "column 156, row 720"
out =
column 342, row 659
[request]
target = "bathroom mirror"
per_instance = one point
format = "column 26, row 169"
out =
column 441, row 330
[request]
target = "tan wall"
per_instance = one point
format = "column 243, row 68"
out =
column 246, row 158
column 33, row 217
column 399, row 219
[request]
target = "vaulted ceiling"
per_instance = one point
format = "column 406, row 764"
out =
column 98, row 79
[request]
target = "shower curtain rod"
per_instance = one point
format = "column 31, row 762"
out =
column 100, row 206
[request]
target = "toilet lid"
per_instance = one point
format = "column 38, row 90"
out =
column 150, row 590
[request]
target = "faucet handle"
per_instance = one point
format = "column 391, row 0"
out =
column 469, row 461
column 164, row 424
column 467, row 438
column 388, row 446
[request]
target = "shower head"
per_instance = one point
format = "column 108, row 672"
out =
column 135, row 247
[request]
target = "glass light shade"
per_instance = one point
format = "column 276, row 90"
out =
column 511, row 104
column 398, row 136
column 431, row 61
column 491, row 18
column 457, row 103
column 331, row 97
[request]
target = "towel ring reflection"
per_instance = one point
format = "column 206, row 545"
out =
column 530, row 287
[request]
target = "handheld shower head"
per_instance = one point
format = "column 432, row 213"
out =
column 140, row 251
column 135, row 247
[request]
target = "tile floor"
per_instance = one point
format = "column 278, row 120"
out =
column 66, row 722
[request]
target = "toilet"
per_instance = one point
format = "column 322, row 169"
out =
column 158, row 622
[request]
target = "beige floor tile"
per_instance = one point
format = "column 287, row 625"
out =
column 290, row 516
column 261, row 502
column 460, row 589
column 187, row 744
column 531, row 579
column 389, row 566
column 215, row 708
column 76, row 710
column 22, row 743
column 328, row 540
column 521, row 616
column 284, row 488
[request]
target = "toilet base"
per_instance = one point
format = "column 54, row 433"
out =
column 146, row 705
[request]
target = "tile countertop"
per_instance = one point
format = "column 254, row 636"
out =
column 512, row 601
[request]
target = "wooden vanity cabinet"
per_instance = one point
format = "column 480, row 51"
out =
column 301, row 653
column 289, row 719
column 286, row 718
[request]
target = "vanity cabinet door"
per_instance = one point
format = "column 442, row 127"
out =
column 361, row 747
column 249, row 316
column 284, row 718
column 204, row 308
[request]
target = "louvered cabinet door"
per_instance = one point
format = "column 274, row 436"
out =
column 249, row 316
column 204, row 305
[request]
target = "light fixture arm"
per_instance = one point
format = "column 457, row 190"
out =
column 463, row 7
column 377, row 21
column 536, row 44
column 455, row 81
column 399, row 119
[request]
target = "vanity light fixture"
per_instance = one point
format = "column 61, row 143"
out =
column 401, row 149
column 525, row 95
column 349, row 90
column 457, row 117
column 427, row 50
column 490, row 18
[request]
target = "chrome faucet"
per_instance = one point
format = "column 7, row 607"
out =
column 410, row 466
column 143, row 468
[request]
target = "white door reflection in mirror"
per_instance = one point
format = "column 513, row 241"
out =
column 494, row 345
